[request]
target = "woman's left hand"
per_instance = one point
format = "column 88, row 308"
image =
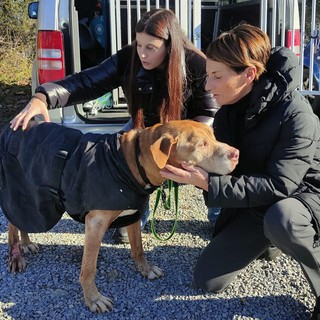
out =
column 188, row 174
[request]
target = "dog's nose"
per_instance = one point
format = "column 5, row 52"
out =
column 233, row 154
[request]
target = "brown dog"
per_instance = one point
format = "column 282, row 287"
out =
column 145, row 153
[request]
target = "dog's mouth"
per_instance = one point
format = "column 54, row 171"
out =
column 233, row 164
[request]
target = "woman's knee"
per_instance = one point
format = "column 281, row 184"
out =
column 274, row 218
column 278, row 220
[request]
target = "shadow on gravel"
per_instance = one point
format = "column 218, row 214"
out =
column 50, row 288
column 54, row 293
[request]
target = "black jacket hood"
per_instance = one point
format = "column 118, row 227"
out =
column 281, row 78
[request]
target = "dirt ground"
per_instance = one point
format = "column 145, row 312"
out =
column 13, row 99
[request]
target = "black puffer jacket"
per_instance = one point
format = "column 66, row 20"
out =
column 152, row 86
column 278, row 138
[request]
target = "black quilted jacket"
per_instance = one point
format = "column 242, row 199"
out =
column 95, row 176
column 278, row 137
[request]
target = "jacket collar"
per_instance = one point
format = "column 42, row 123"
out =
column 279, row 80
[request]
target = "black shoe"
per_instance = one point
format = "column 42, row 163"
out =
column 270, row 254
column 316, row 311
column 120, row 238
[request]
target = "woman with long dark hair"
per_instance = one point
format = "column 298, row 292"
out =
column 162, row 75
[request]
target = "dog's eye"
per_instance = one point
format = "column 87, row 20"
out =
column 203, row 144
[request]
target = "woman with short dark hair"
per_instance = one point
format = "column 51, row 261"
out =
column 273, row 195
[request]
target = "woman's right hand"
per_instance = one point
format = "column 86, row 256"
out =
column 188, row 174
column 36, row 106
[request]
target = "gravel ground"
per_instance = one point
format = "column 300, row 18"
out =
column 49, row 288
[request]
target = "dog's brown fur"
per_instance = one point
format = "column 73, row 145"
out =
column 172, row 143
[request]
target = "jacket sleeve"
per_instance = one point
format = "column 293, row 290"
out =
column 199, row 103
column 84, row 86
column 292, row 156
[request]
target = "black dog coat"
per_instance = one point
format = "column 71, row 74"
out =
column 35, row 189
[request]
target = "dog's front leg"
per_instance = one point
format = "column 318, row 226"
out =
column 16, row 260
column 137, row 253
column 96, row 224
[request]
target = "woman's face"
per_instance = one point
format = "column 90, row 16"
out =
column 226, row 85
column 152, row 51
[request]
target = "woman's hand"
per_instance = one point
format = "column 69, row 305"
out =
column 188, row 175
column 36, row 106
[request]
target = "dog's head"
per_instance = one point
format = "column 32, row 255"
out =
column 192, row 142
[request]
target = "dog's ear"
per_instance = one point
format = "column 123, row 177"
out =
column 161, row 150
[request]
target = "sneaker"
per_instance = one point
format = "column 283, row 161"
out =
column 270, row 254
column 120, row 235
column 316, row 311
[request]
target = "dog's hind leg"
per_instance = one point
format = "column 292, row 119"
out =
column 26, row 244
column 16, row 261
column 149, row 271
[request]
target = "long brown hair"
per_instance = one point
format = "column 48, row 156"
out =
column 163, row 24
column 243, row 46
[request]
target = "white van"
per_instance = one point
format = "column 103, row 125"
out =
column 76, row 34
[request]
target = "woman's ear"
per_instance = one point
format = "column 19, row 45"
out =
column 250, row 73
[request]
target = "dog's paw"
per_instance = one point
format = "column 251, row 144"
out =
column 152, row 272
column 17, row 262
column 155, row 272
column 100, row 305
column 30, row 248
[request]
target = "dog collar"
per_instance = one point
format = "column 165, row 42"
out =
column 142, row 172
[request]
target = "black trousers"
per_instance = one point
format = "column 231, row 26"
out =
column 286, row 224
